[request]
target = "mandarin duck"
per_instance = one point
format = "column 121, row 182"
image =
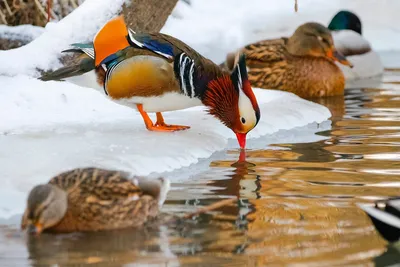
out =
column 385, row 215
column 346, row 29
column 92, row 199
column 302, row 64
column 155, row 72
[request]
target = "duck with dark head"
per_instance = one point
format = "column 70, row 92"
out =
column 345, row 20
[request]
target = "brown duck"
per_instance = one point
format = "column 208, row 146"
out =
column 302, row 64
column 93, row 199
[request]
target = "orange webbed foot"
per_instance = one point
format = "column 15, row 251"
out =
column 172, row 127
column 160, row 125
column 167, row 128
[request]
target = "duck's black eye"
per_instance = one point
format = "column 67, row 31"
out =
column 243, row 120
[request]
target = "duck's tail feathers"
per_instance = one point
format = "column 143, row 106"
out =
column 110, row 39
column 157, row 188
column 86, row 48
column 86, row 65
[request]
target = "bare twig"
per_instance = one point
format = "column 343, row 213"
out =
column 73, row 3
column 3, row 18
column 296, row 7
column 52, row 14
column 211, row 207
column 49, row 6
column 8, row 7
column 40, row 7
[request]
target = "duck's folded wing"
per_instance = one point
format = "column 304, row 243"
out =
column 98, row 183
column 105, row 185
column 267, row 51
column 153, row 42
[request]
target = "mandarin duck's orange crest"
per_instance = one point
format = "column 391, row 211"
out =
column 231, row 99
column 110, row 39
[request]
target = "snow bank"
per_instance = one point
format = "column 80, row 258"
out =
column 49, row 127
column 22, row 32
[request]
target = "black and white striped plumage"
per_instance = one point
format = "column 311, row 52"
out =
column 185, row 72
column 385, row 215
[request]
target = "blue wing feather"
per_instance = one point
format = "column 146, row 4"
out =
column 152, row 44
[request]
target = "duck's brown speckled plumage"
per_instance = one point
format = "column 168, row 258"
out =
column 306, row 72
column 271, row 66
column 104, row 200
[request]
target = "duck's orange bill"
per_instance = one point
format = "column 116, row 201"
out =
column 36, row 228
column 337, row 56
column 241, row 137
column 110, row 39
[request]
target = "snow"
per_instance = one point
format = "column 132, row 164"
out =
column 22, row 32
column 50, row 127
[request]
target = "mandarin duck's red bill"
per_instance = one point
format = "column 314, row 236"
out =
column 241, row 139
column 154, row 72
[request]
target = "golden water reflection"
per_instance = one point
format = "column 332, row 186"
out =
column 297, row 203
column 304, row 197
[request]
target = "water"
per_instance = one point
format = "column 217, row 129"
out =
column 297, row 208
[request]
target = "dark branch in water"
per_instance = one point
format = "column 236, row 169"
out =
column 211, row 207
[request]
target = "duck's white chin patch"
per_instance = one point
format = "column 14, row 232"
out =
column 167, row 102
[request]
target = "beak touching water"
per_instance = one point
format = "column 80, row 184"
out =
column 241, row 137
column 337, row 56
column 35, row 229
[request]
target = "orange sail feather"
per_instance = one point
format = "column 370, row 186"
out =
column 110, row 39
